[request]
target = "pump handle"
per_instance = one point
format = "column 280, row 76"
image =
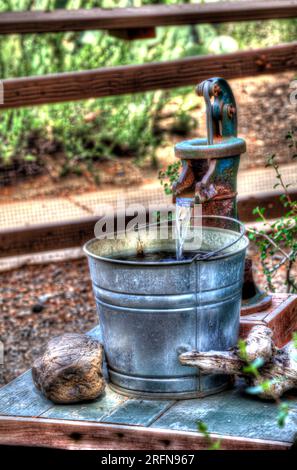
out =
column 221, row 116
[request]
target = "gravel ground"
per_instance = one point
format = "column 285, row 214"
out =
column 38, row 302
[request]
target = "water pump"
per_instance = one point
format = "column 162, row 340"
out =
column 209, row 171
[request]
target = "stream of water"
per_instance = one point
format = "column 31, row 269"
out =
column 182, row 224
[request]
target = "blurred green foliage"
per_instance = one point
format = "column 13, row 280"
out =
column 277, row 239
column 115, row 126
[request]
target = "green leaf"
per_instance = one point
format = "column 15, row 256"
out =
column 202, row 427
column 283, row 412
column 30, row 158
column 253, row 367
column 295, row 339
column 242, row 349
column 216, row 445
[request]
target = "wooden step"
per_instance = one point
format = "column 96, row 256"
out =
column 281, row 317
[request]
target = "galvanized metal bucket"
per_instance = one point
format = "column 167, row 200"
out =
column 152, row 312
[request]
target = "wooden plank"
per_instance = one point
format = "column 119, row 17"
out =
column 281, row 317
column 148, row 16
column 88, row 435
column 46, row 237
column 139, row 412
column 94, row 411
column 247, row 322
column 120, row 80
column 54, row 236
column 112, row 408
column 230, row 413
column 37, row 238
column 283, row 320
column 20, row 397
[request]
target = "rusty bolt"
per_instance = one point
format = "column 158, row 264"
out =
column 216, row 89
column 231, row 111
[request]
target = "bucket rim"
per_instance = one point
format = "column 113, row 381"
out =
column 189, row 261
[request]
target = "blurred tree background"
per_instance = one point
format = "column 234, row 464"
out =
column 117, row 126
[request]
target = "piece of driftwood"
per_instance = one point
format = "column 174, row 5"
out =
column 277, row 374
column 70, row 370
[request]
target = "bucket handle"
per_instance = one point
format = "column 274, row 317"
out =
column 201, row 257
column 206, row 256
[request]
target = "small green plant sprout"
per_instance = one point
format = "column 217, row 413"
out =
column 253, row 367
column 277, row 240
column 283, row 408
column 261, row 387
column 295, row 339
column 30, row 158
column 264, row 386
column 283, row 413
column 214, row 444
column 242, row 349
column 169, row 176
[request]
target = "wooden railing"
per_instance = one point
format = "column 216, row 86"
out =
column 101, row 82
column 134, row 23
column 121, row 80
column 144, row 17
